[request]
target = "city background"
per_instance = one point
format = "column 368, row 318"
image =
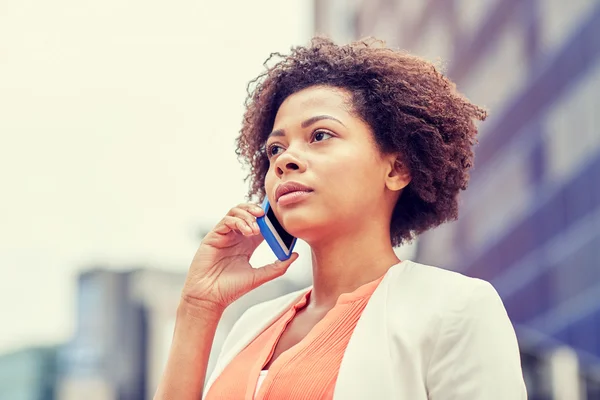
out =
column 118, row 124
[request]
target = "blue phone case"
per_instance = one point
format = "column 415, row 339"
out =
column 270, row 236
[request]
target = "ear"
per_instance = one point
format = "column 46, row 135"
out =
column 398, row 176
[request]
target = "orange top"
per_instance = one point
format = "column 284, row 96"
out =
column 307, row 370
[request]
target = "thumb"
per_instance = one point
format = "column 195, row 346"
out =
column 273, row 270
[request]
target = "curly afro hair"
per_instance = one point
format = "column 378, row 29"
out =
column 413, row 110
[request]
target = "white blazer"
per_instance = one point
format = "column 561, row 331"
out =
column 425, row 334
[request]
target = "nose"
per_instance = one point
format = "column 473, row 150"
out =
column 288, row 162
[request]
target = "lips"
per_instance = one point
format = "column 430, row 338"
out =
column 289, row 187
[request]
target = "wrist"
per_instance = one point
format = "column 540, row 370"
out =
column 199, row 310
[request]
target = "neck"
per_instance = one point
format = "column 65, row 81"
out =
column 344, row 262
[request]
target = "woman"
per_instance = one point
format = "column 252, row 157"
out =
column 381, row 144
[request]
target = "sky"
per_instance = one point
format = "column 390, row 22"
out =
column 117, row 124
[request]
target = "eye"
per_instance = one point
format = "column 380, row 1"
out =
column 319, row 136
column 272, row 150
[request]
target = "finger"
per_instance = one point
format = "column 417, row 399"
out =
column 229, row 223
column 254, row 242
column 250, row 244
column 273, row 270
column 247, row 217
column 254, row 209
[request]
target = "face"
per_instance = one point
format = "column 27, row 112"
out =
column 318, row 142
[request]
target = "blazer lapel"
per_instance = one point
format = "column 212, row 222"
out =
column 367, row 354
column 254, row 324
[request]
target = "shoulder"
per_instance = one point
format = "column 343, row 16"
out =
column 467, row 342
column 432, row 277
column 439, row 285
column 436, row 294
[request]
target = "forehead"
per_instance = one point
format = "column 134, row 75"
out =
column 312, row 101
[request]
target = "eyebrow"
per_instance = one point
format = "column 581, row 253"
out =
column 306, row 124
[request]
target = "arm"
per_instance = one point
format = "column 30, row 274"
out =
column 185, row 371
column 476, row 355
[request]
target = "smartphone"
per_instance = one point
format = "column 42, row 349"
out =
column 278, row 239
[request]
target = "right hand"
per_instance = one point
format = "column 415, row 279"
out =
column 220, row 272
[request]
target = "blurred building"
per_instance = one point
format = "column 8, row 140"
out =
column 530, row 220
column 28, row 374
column 107, row 357
column 124, row 327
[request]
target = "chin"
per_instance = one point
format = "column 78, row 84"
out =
column 305, row 226
column 296, row 227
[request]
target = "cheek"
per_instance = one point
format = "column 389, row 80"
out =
column 269, row 183
column 354, row 179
